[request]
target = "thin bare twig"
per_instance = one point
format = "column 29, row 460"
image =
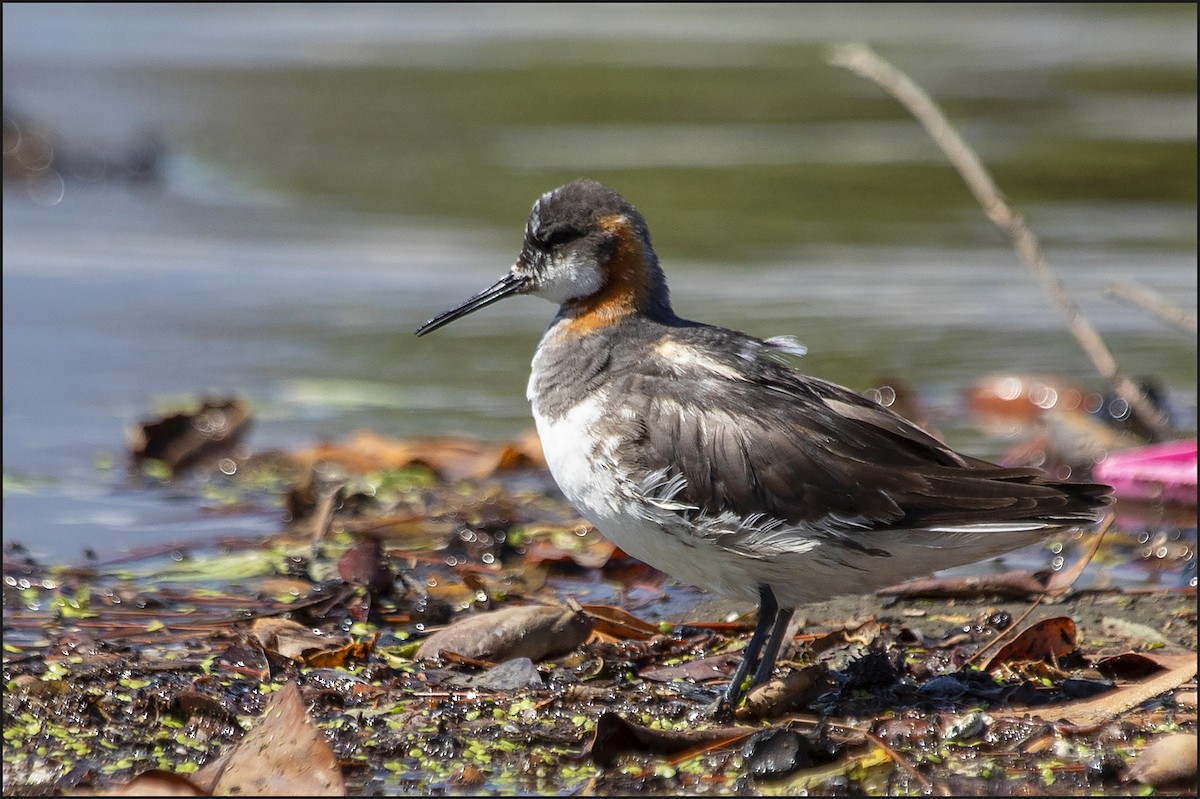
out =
column 1061, row 581
column 862, row 61
column 1153, row 302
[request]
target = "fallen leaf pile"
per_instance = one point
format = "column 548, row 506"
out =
column 432, row 617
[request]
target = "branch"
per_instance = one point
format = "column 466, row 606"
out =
column 861, row 60
column 1153, row 302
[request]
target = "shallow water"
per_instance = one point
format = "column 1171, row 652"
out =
column 331, row 178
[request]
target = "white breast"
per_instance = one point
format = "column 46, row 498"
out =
column 584, row 463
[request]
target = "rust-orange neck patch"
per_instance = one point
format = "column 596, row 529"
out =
column 627, row 288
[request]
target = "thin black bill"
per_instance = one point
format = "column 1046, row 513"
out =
column 509, row 284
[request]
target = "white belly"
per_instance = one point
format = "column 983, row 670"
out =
column 585, row 466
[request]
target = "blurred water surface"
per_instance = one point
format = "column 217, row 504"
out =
column 269, row 199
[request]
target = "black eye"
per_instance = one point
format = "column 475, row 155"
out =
column 561, row 234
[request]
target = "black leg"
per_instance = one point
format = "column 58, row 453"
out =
column 783, row 617
column 768, row 609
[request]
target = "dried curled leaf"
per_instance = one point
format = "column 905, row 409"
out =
column 293, row 640
column 1047, row 639
column 615, row 736
column 793, row 690
column 620, row 623
column 531, row 631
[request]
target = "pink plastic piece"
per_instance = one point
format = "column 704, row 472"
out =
column 1164, row 472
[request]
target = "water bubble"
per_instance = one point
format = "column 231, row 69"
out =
column 1008, row 388
column 46, row 189
column 884, row 395
column 1044, row 397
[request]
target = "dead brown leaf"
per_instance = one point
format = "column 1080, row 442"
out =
column 451, row 589
column 336, row 658
column 620, row 623
column 793, row 690
column 862, row 631
column 451, row 458
column 292, row 640
column 615, row 736
column 524, row 453
column 532, row 631
column 467, row 776
column 284, row 754
column 594, row 554
column 1047, row 639
column 183, row 440
column 1136, row 665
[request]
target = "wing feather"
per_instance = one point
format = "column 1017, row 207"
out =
column 750, row 436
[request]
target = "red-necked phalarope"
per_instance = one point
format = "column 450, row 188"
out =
column 696, row 450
